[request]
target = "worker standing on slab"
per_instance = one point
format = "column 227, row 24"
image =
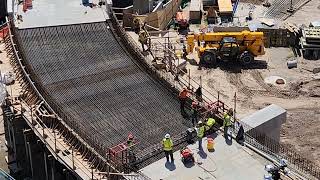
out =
column 183, row 96
column 194, row 110
column 209, row 125
column 200, row 133
column 227, row 122
column 167, row 147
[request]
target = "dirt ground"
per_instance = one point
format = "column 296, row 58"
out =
column 300, row 95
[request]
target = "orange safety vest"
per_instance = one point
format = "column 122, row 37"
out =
column 183, row 94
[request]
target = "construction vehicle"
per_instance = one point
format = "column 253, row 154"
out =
column 226, row 46
column 181, row 21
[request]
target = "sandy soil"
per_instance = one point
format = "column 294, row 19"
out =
column 300, row 95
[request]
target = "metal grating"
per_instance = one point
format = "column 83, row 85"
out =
column 88, row 74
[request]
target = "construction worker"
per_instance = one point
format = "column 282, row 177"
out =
column 130, row 143
column 227, row 121
column 199, row 94
column 194, row 110
column 209, row 124
column 130, row 140
column 200, row 133
column 183, row 96
column 167, row 147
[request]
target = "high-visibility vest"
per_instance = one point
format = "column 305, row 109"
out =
column 183, row 94
column 167, row 144
column 227, row 120
column 210, row 123
column 200, row 132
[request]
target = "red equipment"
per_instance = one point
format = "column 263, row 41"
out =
column 186, row 155
column 181, row 21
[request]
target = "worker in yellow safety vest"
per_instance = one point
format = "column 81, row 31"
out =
column 200, row 133
column 227, row 121
column 210, row 123
column 167, row 147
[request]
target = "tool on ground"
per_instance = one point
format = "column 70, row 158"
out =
column 227, row 46
column 186, row 155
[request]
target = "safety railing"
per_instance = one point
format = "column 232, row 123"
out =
column 32, row 95
column 277, row 150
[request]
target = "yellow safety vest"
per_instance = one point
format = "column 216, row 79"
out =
column 227, row 120
column 200, row 132
column 167, row 144
column 210, row 123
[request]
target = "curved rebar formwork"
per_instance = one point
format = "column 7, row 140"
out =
column 102, row 90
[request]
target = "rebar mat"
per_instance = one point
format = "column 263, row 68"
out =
column 99, row 86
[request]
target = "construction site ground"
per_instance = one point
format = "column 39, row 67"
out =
column 240, row 160
column 300, row 95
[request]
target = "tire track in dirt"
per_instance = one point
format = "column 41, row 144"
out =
column 272, row 90
column 235, row 79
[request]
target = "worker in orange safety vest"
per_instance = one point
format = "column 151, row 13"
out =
column 183, row 96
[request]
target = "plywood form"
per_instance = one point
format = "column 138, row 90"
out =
column 225, row 6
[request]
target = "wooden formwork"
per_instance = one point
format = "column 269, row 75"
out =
column 275, row 37
column 158, row 19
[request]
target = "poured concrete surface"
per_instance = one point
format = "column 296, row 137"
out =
column 267, row 121
column 59, row 12
column 227, row 162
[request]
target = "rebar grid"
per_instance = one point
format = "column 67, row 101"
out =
column 102, row 91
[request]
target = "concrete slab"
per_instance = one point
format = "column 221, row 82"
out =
column 226, row 162
column 267, row 121
column 59, row 12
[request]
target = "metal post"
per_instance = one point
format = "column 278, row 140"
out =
column 73, row 167
column 201, row 82
column 32, row 115
column 92, row 172
column 45, row 164
column 30, row 158
column 218, row 96
column 189, row 78
column 55, row 141
column 52, row 169
column 234, row 108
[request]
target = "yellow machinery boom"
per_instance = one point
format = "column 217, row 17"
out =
column 227, row 45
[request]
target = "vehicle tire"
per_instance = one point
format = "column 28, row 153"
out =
column 246, row 58
column 208, row 58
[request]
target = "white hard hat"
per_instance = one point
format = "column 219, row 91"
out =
column 167, row 136
column 200, row 122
